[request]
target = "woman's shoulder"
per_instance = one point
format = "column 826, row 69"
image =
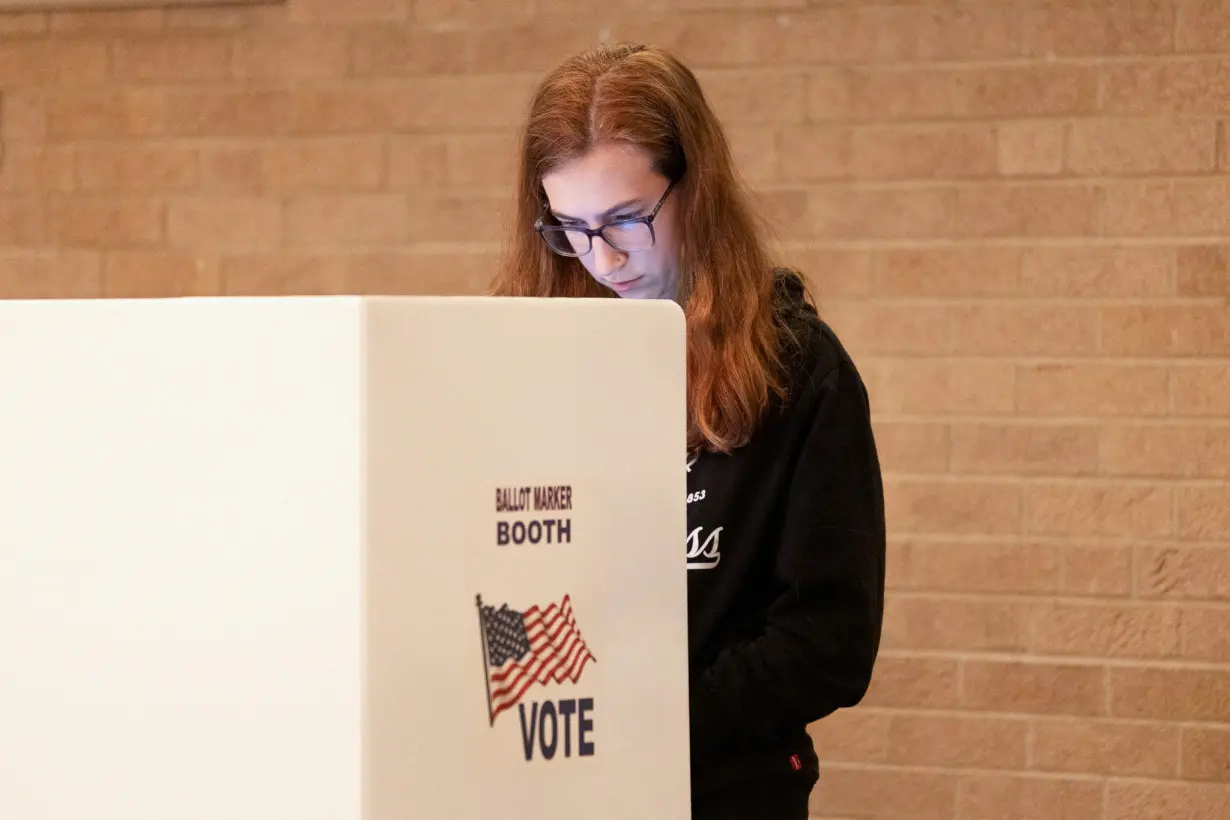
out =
column 811, row 349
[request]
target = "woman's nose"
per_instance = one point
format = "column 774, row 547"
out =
column 607, row 260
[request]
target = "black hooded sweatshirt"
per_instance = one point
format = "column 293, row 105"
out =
column 786, row 549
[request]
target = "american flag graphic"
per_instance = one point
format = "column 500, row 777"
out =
column 523, row 648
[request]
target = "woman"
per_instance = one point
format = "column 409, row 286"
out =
column 627, row 188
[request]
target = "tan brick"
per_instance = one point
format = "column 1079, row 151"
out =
column 85, row 63
column 225, row 17
column 429, row 103
column 884, row 794
column 1006, row 797
column 913, row 447
column 445, row 217
column 973, row 566
column 953, row 507
column 1110, row 146
column 1203, row 512
column 1033, row 90
column 964, row 742
column 230, row 222
column 397, row 51
column 1170, row 694
column 1105, row 747
column 893, row 328
column 1200, row 25
column 905, row 32
column 455, row 160
column 947, row 272
column 1106, row 630
column 878, row 93
column 107, row 113
column 23, row 222
column 107, row 20
column 946, row 151
column 1165, row 451
column 1034, row 687
column 551, row 7
column 1201, row 390
column 1096, row 570
column 26, row 115
column 228, row 111
column 1098, row 272
column 106, row 222
column 913, row 682
column 754, row 150
column 297, row 54
column 830, row 97
column 119, row 166
column 1025, row 209
column 1091, row 389
column 851, row 736
column 787, row 210
column 1203, row 270
column 756, row 97
column 1194, row 86
column 1165, row 330
column 813, row 153
column 421, row 160
column 833, row 274
column 1023, row 329
column 720, row 37
column 1024, row 449
column 533, row 48
column 1206, row 633
column 37, row 62
column 419, row 273
column 231, row 168
column 344, row 163
column 932, row 623
column 1099, row 509
column 346, row 220
column 1206, row 754
column 1128, row 800
column 847, row 34
column 1030, row 148
column 1184, row 572
column 439, row 12
column 37, row 169
column 171, row 57
column 24, row 22
column 879, row 213
column 1129, row 27
column 941, row 387
column 1182, row 207
column 135, row 274
column 47, row 274
column 330, row 11
column 282, row 273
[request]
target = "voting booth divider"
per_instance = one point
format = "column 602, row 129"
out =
column 343, row 558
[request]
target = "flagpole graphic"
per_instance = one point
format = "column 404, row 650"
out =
column 482, row 630
column 520, row 649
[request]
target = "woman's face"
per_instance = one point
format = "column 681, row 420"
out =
column 616, row 182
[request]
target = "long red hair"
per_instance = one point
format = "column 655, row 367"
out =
column 644, row 96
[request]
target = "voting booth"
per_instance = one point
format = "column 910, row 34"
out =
column 342, row 558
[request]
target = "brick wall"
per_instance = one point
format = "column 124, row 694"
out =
column 1017, row 214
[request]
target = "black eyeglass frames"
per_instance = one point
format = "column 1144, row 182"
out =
column 627, row 235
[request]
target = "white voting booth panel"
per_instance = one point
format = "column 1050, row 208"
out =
column 342, row 558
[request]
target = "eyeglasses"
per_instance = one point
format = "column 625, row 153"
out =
column 625, row 235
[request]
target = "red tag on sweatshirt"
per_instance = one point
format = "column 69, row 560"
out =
column 795, row 763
